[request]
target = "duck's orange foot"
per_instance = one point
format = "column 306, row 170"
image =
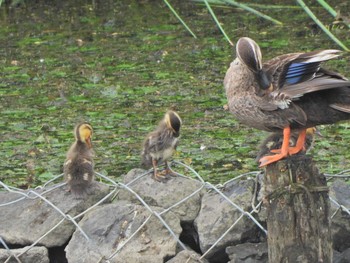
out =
column 291, row 150
column 159, row 177
column 266, row 160
column 171, row 173
column 162, row 173
column 167, row 173
column 299, row 146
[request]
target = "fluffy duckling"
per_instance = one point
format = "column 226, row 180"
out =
column 160, row 144
column 79, row 166
column 275, row 140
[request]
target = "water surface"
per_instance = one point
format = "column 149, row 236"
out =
column 120, row 65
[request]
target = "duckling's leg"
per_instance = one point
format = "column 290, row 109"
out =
column 168, row 170
column 284, row 150
column 157, row 176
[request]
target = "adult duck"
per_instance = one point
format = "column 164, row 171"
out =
column 291, row 92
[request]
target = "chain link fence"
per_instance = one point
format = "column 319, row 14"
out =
column 116, row 186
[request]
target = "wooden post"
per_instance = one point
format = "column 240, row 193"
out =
column 298, row 219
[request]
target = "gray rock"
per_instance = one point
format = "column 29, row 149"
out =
column 187, row 256
column 165, row 194
column 261, row 196
column 25, row 221
column 340, row 191
column 343, row 257
column 217, row 215
column 33, row 255
column 336, row 256
column 110, row 226
column 248, row 253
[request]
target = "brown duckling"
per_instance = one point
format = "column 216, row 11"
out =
column 160, row 144
column 288, row 93
column 79, row 166
column 275, row 140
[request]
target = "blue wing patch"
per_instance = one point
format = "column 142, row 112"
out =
column 300, row 71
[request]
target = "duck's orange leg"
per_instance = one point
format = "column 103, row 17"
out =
column 300, row 145
column 284, row 150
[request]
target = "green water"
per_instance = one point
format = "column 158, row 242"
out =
column 120, row 65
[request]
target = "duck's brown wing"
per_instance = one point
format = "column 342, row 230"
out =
column 155, row 141
column 321, row 82
column 295, row 68
column 294, row 75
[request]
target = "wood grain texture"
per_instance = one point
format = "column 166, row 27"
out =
column 298, row 212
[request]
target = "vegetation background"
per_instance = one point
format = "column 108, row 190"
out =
column 121, row 64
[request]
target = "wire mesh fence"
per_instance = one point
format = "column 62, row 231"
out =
column 40, row 193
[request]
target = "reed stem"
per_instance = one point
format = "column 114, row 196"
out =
column 319, row 23
column 179, row 18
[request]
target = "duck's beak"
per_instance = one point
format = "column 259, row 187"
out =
column 88, row 142
column 318, row 133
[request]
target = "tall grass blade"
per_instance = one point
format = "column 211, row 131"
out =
column 217, row 22
column 179, row 18
column 245, row 7
column 319, row 23
column 327, row 7
column 331, row 10
column 220, row 3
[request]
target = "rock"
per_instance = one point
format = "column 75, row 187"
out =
column 110, row 226
column 336, row 256
column 164, row 194
column 341, row 192
column 260, row 196
column 25, row 221
column 341, row 221
column 343, row 257
column 187, row 256
column 248, row 253
column 33, row 255
column 217, row 215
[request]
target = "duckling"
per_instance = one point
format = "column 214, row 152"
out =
column 79, row 166
column 275, row 140
column 160, row 144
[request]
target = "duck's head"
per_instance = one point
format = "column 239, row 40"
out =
column 83, row 133
column 249, row 54
column 173, row 122
column 313, row 131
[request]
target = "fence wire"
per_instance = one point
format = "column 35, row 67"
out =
column 116, row 186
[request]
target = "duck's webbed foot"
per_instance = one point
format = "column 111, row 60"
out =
column 266, row 160
column 156, row 175
column 282, row 153
column 299, row 146
column 159, row 177
column 168, row 171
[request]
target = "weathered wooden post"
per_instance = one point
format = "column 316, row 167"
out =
column 298, row 219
